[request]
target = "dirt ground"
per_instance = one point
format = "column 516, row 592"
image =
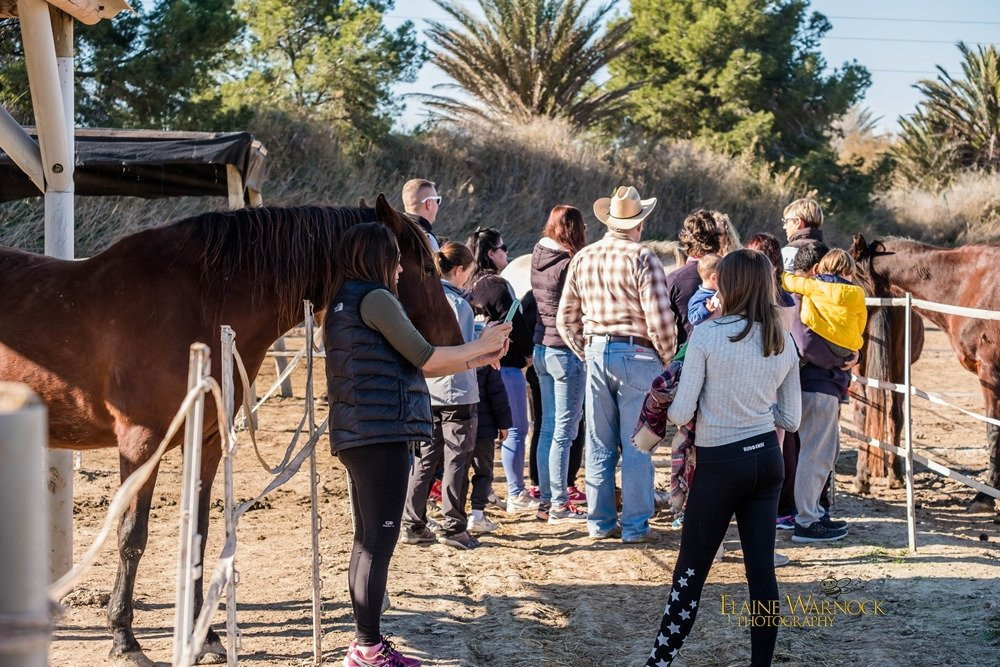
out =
column 540, row 595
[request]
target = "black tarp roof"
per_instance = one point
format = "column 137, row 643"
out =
column 149, row 164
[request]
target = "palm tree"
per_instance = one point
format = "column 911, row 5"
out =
column 526, row 59
column 957, row 125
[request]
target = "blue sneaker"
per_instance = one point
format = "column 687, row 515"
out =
column 786, row 522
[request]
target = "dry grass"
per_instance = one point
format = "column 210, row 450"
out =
column 507, row 178
column 967, row 211
column 510, row 177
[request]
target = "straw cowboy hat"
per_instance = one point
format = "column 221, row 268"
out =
column 624, row 210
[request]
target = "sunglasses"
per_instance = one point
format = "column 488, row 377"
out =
column 501, row 247
column 436, row 198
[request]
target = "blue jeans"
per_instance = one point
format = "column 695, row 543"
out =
column 618, row 377
column 512, row 450
column 562, row 378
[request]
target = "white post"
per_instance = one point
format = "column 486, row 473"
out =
column 189, row 548
column 280, row 364
column 21, row 148
column 229, row 501
column 911, row 521
column 24, row 599
column 317, row 581
column 62, row 32
column 54, row 138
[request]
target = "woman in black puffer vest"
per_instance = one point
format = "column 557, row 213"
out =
column 379, row 403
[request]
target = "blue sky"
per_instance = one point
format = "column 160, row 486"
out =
column 899, row 41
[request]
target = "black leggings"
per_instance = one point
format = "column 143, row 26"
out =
column 378, row 488
column 741, row 478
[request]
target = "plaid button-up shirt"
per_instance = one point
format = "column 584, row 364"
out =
column 616, row 287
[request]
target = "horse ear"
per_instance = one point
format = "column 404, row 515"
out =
column 858, row 247
column 387, row 215
column 363, row 203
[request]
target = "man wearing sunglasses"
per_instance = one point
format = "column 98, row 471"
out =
column 421, row 203
column 801, row 221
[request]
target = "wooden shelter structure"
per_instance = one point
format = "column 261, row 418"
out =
column 53, row 160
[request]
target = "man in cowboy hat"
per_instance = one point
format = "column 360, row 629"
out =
column 614, row 313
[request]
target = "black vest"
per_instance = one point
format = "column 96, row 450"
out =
column 375, row 394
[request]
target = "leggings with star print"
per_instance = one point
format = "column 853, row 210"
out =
column 744, row 479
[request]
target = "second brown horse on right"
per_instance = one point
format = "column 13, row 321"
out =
column 966, row 276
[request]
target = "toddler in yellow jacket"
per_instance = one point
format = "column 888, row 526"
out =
column 832, row 306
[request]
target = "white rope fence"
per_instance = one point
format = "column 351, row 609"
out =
column 190, row 633
column 908, row 391
column 225, row 576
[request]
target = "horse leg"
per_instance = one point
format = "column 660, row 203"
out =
column 134, row 449
column 213, row 650
column 991, row 393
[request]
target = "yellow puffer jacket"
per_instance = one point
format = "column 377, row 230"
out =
column 835, row 311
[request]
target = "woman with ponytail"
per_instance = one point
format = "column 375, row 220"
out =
column 454, row 400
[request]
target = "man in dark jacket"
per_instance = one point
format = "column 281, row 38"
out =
column 421, row 203
column 824, row 384
column 801, row 219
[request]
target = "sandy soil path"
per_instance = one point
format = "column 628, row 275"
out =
column 540, row 595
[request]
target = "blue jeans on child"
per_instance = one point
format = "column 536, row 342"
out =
column 618, row 377
column 562, row 378
column 512, row 450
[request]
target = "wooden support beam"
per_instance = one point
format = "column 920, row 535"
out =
column 21, row 148
column 235, row 180
column 85, row 11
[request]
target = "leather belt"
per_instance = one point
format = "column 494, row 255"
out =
column 631, row 340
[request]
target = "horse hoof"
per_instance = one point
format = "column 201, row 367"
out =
column 895, row 483
column 212, row 653
column 131, row 659
column 861, row 488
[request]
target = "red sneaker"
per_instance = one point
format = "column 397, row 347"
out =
column 576, row 496
column 534, row 492
column 435, row 494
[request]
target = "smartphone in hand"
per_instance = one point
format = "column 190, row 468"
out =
column 514, row 307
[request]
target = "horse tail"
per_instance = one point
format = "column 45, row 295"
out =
column 880, row 408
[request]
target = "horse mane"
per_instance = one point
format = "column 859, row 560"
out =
column 288, row 250
column 882, row 410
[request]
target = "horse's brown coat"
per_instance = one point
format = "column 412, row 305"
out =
column 965, row 276
column 104, row 341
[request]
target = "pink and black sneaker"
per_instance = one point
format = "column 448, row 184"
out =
column 383, row 654
column 576, row 496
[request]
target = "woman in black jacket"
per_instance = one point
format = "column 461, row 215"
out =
column 561, row 374
column 492, row 297
column 379, row 403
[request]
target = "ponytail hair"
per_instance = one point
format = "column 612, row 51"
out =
column 453, row 256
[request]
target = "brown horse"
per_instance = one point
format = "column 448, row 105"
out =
column 105, row 341
column 964, row 276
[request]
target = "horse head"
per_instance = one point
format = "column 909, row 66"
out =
column 867, row 275
column 420, row 288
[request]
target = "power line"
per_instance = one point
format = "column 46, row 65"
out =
column 913, row 41
column 901, row 71
column 898, row 20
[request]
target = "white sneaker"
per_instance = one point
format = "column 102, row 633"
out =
column 496, row 502
column 521, row 502
column 780, row 559
column 480, row 525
